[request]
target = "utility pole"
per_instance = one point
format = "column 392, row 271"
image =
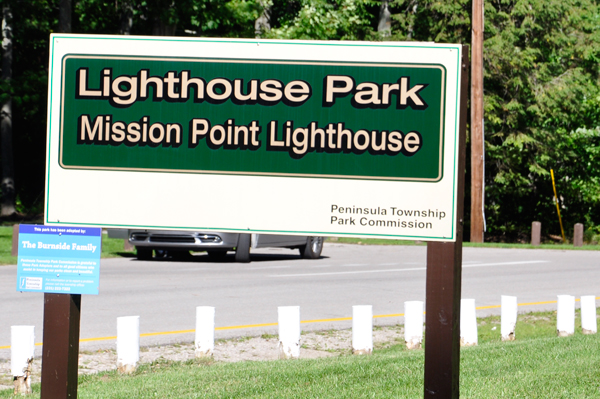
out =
column 477, row 142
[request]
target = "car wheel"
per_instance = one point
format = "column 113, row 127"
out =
column 313, row 248
column 216, row 255
column 242, row 251
column 143, row 253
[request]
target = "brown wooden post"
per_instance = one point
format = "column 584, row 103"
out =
column 15, row 241
column 444, row 270
column 477, row 141
column 127, row 246
column 578, row 235
column 536, row 233
column 60, row 353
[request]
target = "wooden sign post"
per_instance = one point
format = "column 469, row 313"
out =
column 444, row 271
column 60, row 353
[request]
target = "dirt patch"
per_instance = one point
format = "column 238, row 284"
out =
column 314, row 344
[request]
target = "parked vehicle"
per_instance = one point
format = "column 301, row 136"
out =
column 216, row 244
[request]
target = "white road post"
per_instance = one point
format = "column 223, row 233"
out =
column 413, row 324
column 508, row 317
column 362, row 329
column 22, row 345
column 468, row 322
column 565, row 315
column 589, row 321
column 205, row 331
column 128, row 343
column 289, row 331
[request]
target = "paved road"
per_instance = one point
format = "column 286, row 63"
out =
column 164, row 293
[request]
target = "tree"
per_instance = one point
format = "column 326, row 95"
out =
column 542, row 97
column 321, row 19
column 541, row 89
column 32, row 21
column 541, row 84
column 7, row 184
column 65, row 15
column 263, row 22
column 215, row 18
column 385, row 19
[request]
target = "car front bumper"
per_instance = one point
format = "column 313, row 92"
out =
column 183, row 240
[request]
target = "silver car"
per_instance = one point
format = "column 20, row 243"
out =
column 217, row 244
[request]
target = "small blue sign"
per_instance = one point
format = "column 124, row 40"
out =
column 61, row 259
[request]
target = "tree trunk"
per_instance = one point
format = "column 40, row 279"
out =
column 161, row 28
column 126, row 18
column 7, row 207
column 411, row 26
column 263, row 23
column 385, row 19
column 64, row 18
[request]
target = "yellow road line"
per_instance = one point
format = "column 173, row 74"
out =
column 539, row 303
column 246, row 326
column 389, row 315
column 326, row 320
column 488, row 307
column 95, row 339
column 274, row 324
column 166, row 333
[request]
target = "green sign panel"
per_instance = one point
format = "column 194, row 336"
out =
column 353, row 120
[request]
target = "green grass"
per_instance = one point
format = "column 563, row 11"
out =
column 373, row 241
column 585, row 247
column 380, row 241
column 538, row 365
column 111, row 247
column 535, row 325
column 6, row 246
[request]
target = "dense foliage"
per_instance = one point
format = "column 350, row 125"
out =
column 542, row 91
column 541, row 112
column 32, row 22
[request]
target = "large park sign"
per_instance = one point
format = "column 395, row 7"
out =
column 315, row 138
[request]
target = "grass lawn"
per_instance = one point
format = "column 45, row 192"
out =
column 6, row 246
column 381, row 241
column 537, row 365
